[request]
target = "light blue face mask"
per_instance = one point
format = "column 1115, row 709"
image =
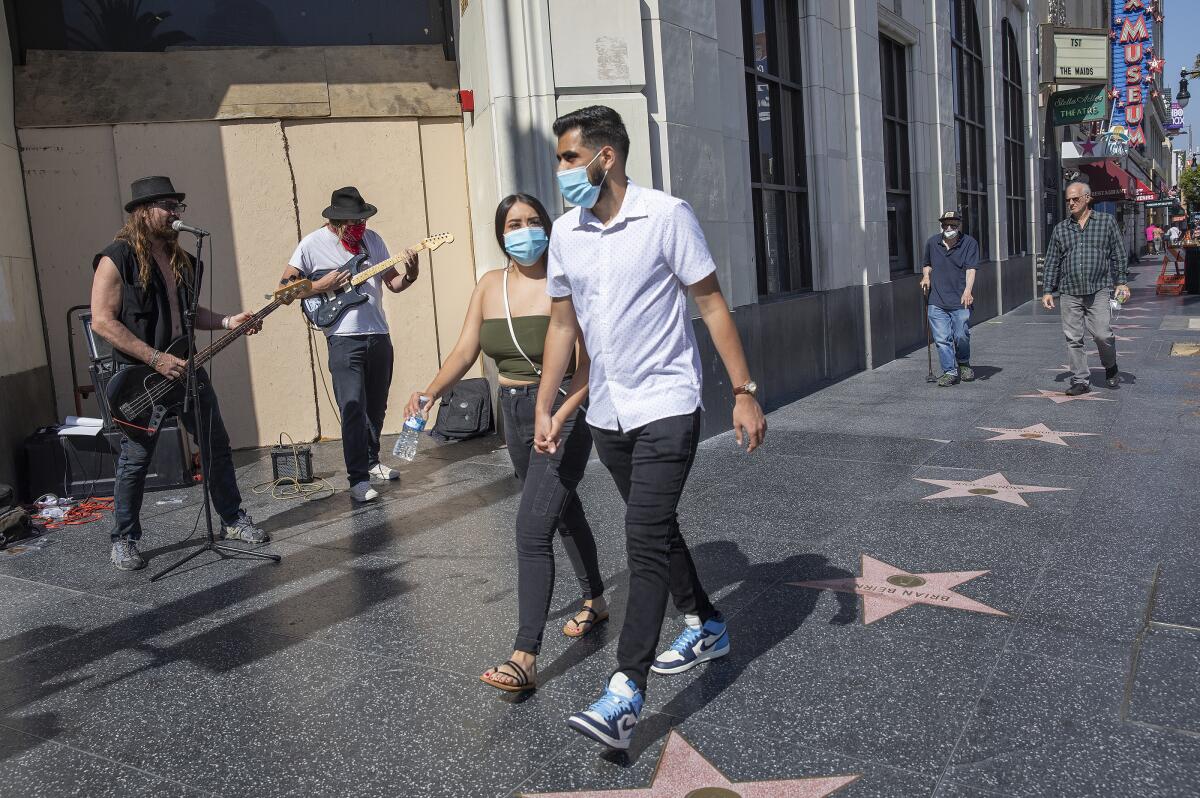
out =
column 577, row 189
column 526, row 245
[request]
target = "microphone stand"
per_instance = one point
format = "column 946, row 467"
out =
column 191, row 403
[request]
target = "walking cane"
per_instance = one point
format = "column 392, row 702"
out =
column 928, row 338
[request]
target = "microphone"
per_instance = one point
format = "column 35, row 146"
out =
column 179, row 226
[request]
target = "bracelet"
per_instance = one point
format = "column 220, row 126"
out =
column 154, row 358
column 409, row 280
column 224, row 322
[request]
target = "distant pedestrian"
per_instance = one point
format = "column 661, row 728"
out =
column 1083, row 258
column 1174, row 234
column 1150, row 239
column 948, row 278
column 1158, row 240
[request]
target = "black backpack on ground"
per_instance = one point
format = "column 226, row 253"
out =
column 466, row 411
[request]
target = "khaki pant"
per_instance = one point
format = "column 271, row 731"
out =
column 1090, row 312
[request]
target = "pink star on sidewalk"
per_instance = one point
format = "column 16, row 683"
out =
column 994, row 486
column 886, row 589
column 1058, row 397
column 1134, row 316
column 1125, row 337
column 1128, row 326
column 1036, row 432
column 1065, row 367
column 683, row 771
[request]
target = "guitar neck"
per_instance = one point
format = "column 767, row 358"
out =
column 380, row 268
column 207, row 354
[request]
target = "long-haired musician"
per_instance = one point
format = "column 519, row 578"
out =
column 140, row 288
column 360, row 347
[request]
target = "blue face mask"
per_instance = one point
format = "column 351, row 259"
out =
column 526, row 245
column 576, row 188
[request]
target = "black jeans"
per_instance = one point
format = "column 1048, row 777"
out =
column 548, row 503
column 650, row 465
column 361, row 367
column 134, row 463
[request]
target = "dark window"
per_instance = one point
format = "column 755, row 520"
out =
column 778, row 179
column 970, row 141
column 156, row 25
column 893, row 73
column 1014, row 147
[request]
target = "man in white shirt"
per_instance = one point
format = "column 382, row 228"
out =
column 1174, row 234
column 622, row 262
column 360, row 348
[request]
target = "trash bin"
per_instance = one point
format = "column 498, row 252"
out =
column 1191, row 267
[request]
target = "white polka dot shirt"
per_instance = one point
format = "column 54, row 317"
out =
column 628, row 282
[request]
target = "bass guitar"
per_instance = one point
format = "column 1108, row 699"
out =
column 325, row 309
column 139, row 398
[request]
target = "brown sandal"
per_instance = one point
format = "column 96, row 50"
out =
column 586, row 625
column 523, row 681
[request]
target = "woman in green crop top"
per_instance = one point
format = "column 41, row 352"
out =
column 549, row 502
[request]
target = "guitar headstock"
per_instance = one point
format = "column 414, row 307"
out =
column 435, row 241
column 292, row 290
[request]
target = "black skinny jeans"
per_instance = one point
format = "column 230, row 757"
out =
column 548, row 503
column 650, row 465
column 134, row 464
column 361, row 367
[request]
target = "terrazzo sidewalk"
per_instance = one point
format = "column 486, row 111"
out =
column 955, row 592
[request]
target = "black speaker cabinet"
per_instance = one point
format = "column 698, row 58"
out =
column 81, row 466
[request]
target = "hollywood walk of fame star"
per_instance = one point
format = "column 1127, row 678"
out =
column 1125, row 337
column 1065, row 367
column 683, row 772
column 1127, row 326
column 1036, row 432
column 1058, row 397
column 886, row 589
column 1095, row 353
column 993, row 486
column 1134, row 316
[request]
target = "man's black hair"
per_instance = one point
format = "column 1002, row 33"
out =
column 598, row 126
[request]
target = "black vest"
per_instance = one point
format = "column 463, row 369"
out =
column 145, row 310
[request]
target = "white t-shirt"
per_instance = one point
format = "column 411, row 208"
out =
column 628, row 282
column 1174, row 233
column 321, row 250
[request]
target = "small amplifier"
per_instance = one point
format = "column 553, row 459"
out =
column 289, row 461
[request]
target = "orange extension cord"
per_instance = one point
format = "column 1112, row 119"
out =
column 85, row 512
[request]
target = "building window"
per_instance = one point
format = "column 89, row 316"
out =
column 897, row 161
column 1014, row 147
column 970, row 144
column 778, row 181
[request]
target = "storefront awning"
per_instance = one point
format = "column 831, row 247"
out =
column 1110, row 182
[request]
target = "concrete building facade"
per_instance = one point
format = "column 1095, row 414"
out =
column 818, row 142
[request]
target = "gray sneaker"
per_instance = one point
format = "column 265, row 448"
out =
column 125, row 555
column 244, row 529
column 966, row 373
column 947, row 379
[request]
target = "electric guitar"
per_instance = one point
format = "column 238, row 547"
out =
column 325, row 309
column 139, row 398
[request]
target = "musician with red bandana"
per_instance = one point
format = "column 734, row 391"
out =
column 360, row 347
column 139, row 288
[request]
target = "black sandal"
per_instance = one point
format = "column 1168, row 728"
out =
column 581, row 628
column 523, row 682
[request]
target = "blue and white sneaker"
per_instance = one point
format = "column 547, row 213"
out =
column 611, row 719
column 694, row 645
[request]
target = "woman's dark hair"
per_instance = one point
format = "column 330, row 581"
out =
column 506, row 205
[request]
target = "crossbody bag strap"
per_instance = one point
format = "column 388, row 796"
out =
column 513, row 334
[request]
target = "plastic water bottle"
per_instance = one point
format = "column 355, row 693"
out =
column 410, row 436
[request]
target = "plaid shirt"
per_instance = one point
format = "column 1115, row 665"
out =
column 1084, row 261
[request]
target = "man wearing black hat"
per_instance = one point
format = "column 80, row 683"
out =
column 140, row 285
column 360, row 348
column 948, row 278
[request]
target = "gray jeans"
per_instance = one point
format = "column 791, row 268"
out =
column 1090, row 312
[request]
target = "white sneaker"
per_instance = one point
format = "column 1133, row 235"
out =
column 363, row 492
column 380, row 471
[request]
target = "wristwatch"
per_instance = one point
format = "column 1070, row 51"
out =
column 750, row 388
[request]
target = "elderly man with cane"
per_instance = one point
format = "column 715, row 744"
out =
column 947, row 281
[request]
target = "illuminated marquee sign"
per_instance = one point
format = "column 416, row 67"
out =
column 1133, row 66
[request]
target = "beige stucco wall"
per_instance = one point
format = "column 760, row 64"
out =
column 238, row 177
column 21, row 345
